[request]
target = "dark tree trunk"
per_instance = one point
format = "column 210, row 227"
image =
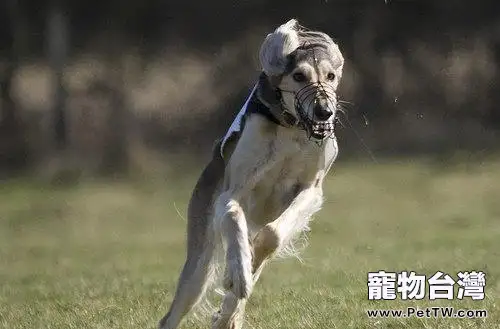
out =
column 57, row 28
column 116, row 153
column 13, row 146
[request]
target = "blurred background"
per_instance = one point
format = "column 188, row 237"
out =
column 109, row 110
column 110, row 87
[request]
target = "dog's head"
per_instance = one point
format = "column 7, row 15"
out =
column 301, row 72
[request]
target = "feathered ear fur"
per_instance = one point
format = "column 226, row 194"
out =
column 277, row 46
column 267, row 90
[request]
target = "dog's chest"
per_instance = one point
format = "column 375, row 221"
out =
column 302, row 167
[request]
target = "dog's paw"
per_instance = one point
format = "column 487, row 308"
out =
column 216, row 317
column 230, row 315
column 238, row 278
column 220, row 321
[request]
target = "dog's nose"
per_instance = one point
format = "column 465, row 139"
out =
column 322, row 112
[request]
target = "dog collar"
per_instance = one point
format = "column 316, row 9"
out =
column 277, row 115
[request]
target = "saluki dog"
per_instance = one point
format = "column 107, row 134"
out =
column 264, row 182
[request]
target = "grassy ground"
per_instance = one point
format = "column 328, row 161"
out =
column 107, row 255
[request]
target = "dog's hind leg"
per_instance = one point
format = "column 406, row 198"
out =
column 191, row 287
column 200, row 245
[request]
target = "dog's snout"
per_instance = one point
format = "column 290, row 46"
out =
column 322, row 112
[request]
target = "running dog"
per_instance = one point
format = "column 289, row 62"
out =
column 264, row 182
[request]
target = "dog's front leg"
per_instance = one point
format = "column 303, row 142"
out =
column 231, row 222
column 278, row 233
column 232, row 225
column 241, row 177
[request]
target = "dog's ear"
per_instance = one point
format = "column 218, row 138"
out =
column 267, row 90
column 277, row 46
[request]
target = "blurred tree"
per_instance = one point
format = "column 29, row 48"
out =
column 116, row 159
column 58, row 44
column 13, row 146
column 422, row 35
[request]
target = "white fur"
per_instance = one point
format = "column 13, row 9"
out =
column 277, row 45
column 236, row 125
column 272, row 186
column 256, row 183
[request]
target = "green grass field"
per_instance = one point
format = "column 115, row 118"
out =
column 107, row 254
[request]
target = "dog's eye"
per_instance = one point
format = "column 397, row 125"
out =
column 331, row 76
column 299, row 77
